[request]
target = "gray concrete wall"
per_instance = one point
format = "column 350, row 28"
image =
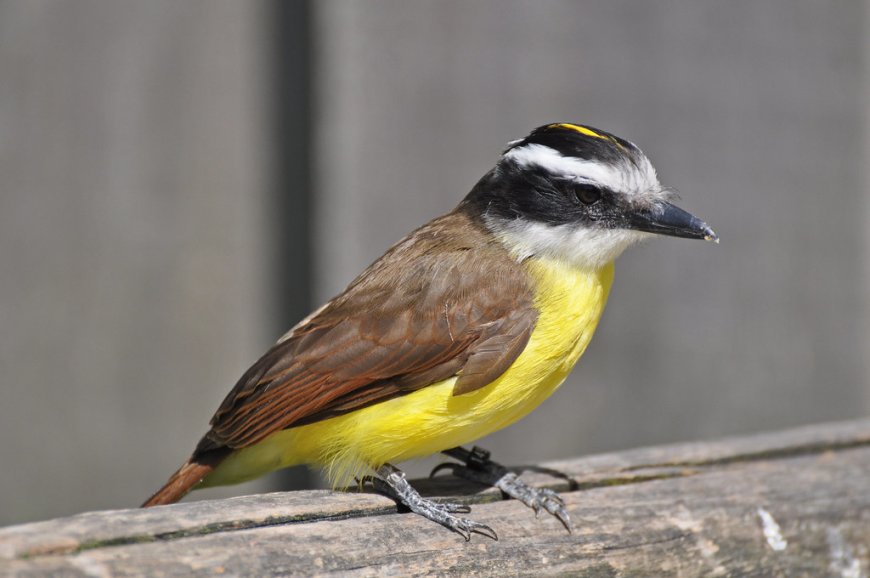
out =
column 132, row 278
column 138, row 263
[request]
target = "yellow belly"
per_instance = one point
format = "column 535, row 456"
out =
column 570, row 303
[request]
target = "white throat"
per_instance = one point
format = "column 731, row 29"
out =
column 582, row 247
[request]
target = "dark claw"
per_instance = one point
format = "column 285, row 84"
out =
column 562, row 515
column 445, row 466
column 485, row 530
column 466, row 528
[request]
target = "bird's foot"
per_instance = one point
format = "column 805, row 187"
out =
column 391, row 482
column 478, row 467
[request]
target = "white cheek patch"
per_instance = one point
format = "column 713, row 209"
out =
column 624, row 178
column 588, row 248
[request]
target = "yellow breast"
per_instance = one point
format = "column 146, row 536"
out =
column 432, row 419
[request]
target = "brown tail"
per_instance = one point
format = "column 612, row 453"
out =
column 186, row 478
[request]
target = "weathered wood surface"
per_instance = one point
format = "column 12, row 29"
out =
column 793, row 503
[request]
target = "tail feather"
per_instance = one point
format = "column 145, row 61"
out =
column 186, row 478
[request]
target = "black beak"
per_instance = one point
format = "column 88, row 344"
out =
column 663, row 218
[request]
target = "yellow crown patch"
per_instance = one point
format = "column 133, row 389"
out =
column 580, row 129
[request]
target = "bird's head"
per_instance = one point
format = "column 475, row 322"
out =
column 579, row 194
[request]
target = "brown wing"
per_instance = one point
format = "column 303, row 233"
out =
column 445, row 301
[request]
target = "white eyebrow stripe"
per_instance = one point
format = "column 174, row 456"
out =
column 552, row 160
column 621, row 179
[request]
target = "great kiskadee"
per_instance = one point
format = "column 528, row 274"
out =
column 460, row 329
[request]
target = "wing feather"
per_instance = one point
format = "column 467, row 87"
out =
column 445, row 301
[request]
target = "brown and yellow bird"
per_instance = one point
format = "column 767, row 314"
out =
column 458, row 330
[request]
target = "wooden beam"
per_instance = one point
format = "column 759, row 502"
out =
column 789, row 503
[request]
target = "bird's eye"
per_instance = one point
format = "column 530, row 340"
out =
column 587, row 194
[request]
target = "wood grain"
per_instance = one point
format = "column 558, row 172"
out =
column 792, row 503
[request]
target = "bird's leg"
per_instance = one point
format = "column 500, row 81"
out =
column 391, row 481
column 479, row 468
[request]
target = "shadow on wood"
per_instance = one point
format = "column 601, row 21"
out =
column 792, row 503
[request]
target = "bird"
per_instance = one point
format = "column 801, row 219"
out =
column 460, row 329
